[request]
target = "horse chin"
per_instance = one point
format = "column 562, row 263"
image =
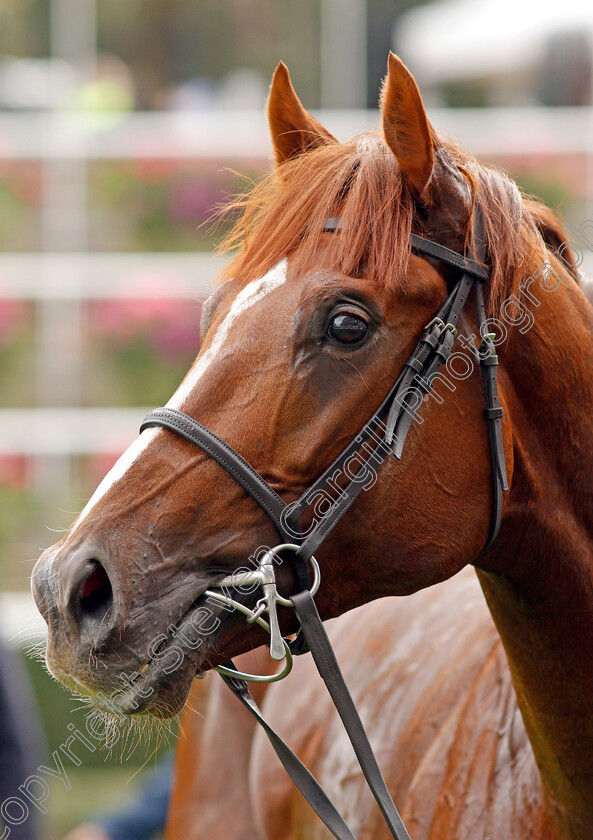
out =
column 155, row 693
column 156, row 689
column 160, row 688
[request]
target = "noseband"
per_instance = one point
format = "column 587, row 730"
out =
column 385, row 432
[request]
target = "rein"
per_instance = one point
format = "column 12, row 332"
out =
column 384, row 432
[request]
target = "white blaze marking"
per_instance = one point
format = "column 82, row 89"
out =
column 247, row 297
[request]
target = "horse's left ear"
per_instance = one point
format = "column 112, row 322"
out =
column 406, row 128
column 293, row 129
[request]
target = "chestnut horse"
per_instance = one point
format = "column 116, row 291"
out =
column 304, row 338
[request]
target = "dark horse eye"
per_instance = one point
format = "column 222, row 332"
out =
column 347, row 328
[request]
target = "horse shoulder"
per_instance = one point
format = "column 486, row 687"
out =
column 430, row 679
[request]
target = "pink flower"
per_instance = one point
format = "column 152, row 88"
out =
column 13, row 318
column 170, row 326
column 13, row 471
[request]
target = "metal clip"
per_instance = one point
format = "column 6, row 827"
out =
column 268, row 604
column 265, row 576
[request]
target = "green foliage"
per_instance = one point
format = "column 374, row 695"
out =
column 18, row 508
column 547, row 188
column 24, row 28
column 133, row 374
column 161, row 205
column 94, row 790
column 19, row 220
column 102, row 782
column 175, row 40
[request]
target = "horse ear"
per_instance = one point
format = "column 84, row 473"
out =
column 293, row 129
column 407, row 131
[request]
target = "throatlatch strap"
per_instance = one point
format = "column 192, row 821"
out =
column 494, row 414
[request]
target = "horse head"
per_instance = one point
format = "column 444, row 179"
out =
column 312, row 324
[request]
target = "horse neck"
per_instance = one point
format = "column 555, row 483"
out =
column 538, row 576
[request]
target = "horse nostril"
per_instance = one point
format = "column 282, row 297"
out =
column 95, row 596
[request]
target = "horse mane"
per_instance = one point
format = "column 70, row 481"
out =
column 554, row 235
column 360, row 180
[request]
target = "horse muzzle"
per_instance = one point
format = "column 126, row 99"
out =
column 134, row 656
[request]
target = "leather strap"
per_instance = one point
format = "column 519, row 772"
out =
column 493, row 410
column 403, row 401
column 237, row 467
column 494, row 414
column 299, row 774
column 372, row 432
column 345, row 499
column 242, row 471
column 329, row 670
column 327, row 665
column 428, row 248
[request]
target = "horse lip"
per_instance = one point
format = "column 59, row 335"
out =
column 170, row 657
column 188, row 647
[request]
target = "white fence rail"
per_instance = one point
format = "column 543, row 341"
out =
column 68, row 431
column 244, row 134
column 64, row 276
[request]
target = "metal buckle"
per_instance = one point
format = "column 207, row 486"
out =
column 435, row 320
column 440, row 323
column 265, row 577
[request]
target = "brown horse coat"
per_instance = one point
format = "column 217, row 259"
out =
column 430, row 678
column 275, row 381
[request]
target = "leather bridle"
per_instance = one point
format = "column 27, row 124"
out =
column 384, row 432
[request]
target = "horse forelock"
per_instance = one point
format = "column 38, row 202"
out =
column 358, row 180
column 361, row 181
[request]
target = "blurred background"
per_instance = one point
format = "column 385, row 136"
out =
column 123, row 125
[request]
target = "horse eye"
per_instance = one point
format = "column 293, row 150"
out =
column 347, row 328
